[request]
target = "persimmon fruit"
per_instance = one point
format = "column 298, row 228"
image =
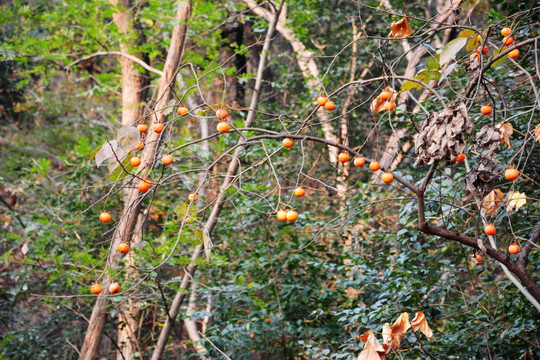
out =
column 374, row 166
column 330, row 105
column 387, row 177
column 135, row 161
column 322, row 100
column 144, row 185
column 489, row 229
column 105, row 217
column 343, row 157
column 282, row 215
column 486, row 110
column 158, row 128
column 359, row 161
column 389, row 106
column 478, row 258
column 299, row 191
column 511, row 174
column 96, row 289
column 287, row 142
column 513, row 54
column 514, row 249
column 193, row 197
column 223, row 127
column 506, row 31
column 460, row 157
column 222, row 114
column 142, row 127
column 167, row 159
column 508, row 40
column 114, row 288
column 139, row 146
column 123, row 248
column 182, row 110
column 292, row 215
column 385, row 95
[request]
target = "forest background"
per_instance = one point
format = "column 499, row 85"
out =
column 437, row 93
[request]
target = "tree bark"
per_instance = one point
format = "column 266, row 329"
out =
column 132, row 203
column 219, row 202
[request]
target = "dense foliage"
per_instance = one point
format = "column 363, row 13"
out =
column 271, row 290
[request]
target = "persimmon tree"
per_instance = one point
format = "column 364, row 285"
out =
column 196, row 180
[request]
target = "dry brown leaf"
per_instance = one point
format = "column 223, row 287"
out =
column 377, row 105
column 373, row 350
column 515, row 200
column 392, row 335
column 443, row 136
column 400, row 28
column 420, row 322
column 492, row 202
column 506, row 131
column 537, row 132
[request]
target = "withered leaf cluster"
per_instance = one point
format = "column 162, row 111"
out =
column 443, row 136
column 484, row 175
column 481, row 179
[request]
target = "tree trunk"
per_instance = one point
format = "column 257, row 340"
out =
column 219, row 202
column 132, row 204
column 127, row 316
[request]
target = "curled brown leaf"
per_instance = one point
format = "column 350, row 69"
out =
column 400, row 28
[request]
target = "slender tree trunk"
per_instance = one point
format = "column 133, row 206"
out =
column 132, row 111
column 132, row 203
column 219, row 202
column 127, row 316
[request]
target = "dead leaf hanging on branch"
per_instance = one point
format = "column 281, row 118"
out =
column 420, row 323
column 400, row 28
column 443, row 136
column 481, row 179
column 537, row 132
column 392, row 334
column 506, row 130
column 372, row 350
column 491, row 203
column 488, row 138
column 515, row 200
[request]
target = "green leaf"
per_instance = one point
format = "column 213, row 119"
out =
column 472, row 44
column 424, row 76
column 451, row 49
column 182, row 209
column 497, row 52
column 433, row 62
column 466, row 33
column 118, row 172
column 94, row 152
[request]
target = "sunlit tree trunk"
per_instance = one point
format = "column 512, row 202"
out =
column 132, row 205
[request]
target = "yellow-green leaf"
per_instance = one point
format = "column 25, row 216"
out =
column 182, row 209
column 497, row 52
column 118, row 172
column 433, row 62
column 466, row 33
column 451, row 49
column 472, row 44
